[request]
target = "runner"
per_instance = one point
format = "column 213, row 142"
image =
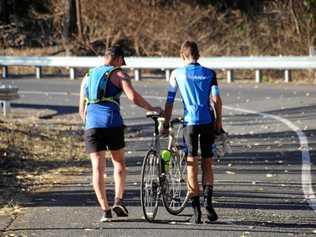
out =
column 198, row 88
column 99, row 108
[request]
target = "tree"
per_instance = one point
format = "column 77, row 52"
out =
column 70, row 20
column 79, row 19
column 4, row 16
column 69, row 24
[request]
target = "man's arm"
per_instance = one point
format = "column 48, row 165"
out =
column 167, row 114
column 172, row 91
column 217, row 103
column 132, row 94
column 82, row 102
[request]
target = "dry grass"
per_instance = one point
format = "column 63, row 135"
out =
column 33, row 153
column 283, row 27
column 158, row 27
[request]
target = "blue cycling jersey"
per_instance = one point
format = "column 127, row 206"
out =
column 195, row 83
column 105, row 114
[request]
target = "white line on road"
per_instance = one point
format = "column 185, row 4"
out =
column 47, row 93
column 306, row 160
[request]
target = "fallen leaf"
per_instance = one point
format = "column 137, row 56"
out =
column 245, row 234
column 230, row 172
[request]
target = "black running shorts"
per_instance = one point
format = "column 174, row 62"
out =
column 193, row 134
column 101, row 139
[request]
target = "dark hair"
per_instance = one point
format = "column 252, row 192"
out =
column 190, row 50
column 115, row 51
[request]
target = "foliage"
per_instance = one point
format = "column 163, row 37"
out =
column 158, row 27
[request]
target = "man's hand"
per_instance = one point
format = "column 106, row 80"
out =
column 158, row 110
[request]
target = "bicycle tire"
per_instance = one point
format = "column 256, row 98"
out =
column 174, row 191
column 150, row 186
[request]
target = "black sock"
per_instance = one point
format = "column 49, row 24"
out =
column 196, row 218
column 208, row 193
column 118, row 201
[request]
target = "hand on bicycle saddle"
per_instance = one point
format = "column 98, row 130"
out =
column 159, row 110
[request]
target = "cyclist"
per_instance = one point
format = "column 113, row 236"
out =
column 199, row 89
column 99, row 108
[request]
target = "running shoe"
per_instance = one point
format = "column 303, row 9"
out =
column 211, row 214
column 107, row 216
column 119, row 208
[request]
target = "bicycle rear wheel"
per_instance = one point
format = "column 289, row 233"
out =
column 175, row 195
column 150, row 188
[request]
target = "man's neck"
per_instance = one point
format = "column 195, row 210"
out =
column 110, row 63
column 190, row 61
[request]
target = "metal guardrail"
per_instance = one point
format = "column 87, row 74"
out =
column 166, row 64
column 7, row 94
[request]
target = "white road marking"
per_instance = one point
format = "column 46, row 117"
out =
column 306, row 160
column 42, row 93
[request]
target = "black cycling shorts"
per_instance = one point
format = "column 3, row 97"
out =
column 101, row 139
column 193, row 134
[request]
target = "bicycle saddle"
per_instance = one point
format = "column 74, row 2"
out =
column 153, row 115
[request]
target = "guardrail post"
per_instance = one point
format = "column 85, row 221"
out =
column 258, row 76
column 38, row 71
column 72, row 73
column 287, row 76
column 167, row 74
column 230, row 76
column 137, row 74
column 312, row 51
column 6, row 107
column 4, row 71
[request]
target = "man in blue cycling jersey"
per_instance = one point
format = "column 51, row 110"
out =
column 99, row 108
column 199, row 91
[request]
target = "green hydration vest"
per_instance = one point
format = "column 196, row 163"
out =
column 97, row 83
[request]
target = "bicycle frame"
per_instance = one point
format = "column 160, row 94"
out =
column 156, row 143
column 158, row 185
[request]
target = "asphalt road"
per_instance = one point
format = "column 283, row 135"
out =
column 265, row 187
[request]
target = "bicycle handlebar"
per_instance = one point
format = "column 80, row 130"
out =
column 176, row 120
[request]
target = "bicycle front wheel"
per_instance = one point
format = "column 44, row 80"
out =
column 150, row 189
column 175, row 195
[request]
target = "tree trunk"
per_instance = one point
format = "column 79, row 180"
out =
column 69, row 24
column 70, row 20
column 8, row 10
column 297, row 25
column 4, row 16
column 79, row 19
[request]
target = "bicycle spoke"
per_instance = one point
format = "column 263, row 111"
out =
column 176, row 196
column 150, row 186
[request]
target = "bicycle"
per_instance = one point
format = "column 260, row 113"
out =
column 159, row 178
